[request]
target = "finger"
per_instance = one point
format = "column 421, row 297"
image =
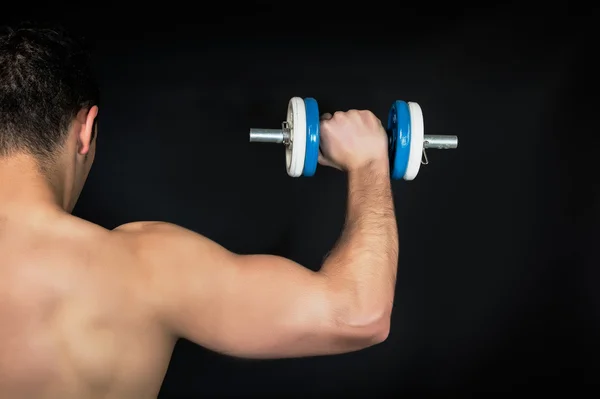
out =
column 326, row 116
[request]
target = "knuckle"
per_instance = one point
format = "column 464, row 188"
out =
column 372, row 117
column 368, row 114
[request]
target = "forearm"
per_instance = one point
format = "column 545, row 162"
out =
column 362, row 267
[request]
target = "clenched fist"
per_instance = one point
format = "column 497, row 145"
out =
column 351, row 140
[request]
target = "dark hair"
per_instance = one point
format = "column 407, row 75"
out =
column 45, row 80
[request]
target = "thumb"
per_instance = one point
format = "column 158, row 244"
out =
column 325, row 162
column 322, row 160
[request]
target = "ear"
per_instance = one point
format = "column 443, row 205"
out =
column 86, row 132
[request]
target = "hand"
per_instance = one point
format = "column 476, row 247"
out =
column 351, row 140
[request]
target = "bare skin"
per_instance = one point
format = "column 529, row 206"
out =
column 90, row 313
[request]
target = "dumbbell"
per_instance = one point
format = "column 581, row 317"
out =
column 405, row 129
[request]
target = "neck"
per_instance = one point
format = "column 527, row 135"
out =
column 24, row 186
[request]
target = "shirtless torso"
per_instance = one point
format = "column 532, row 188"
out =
column 90, row 313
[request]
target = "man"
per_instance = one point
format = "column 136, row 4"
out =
column 86, row 312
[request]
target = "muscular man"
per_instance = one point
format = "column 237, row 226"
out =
column 87, row 313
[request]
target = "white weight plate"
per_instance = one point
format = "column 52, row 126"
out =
column 417, row 135
column 296, row 151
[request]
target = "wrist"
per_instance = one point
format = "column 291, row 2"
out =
column 374, row 167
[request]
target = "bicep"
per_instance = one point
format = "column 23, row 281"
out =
column 257, row 306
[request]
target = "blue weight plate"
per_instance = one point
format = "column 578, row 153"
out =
column 312, row 137
column 399, row 129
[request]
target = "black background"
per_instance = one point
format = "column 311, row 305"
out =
column 497, row 283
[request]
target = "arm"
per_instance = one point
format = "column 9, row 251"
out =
column 362, row 267
column 262, row 306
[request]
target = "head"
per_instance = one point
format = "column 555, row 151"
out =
column 48, row 105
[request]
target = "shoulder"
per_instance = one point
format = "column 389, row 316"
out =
column 150, row 233
column 151, row 228
column 144, row 227
column 155, row 242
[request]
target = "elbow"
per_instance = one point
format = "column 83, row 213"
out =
column 378, row 330
column 366, row 329
column 358, row 322
column 382, row 331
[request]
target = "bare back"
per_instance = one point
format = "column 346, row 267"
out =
column 72, row 322
column 91, row 313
